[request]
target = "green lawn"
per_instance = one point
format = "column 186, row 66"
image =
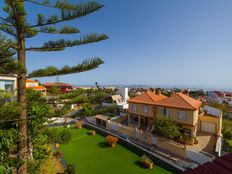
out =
column 91, row 155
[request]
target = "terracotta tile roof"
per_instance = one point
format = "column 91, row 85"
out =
column 57, row 84
column 180, row 100
column 221, row 165
column 31, row 81
column 148, row 98
column 37, row 87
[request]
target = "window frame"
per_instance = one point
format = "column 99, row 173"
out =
column 134, row 107
column 181, row 118
column 167, row 114
column 145, row 106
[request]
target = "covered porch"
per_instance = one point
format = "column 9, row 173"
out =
column 140, row 121
column 101, row 120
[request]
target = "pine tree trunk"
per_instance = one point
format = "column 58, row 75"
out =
column 23, row 142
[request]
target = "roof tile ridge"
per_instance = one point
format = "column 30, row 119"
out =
column 185, row 100
column 150, row 97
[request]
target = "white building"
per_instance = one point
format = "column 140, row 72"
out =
column 8, row 83
column 119, row 99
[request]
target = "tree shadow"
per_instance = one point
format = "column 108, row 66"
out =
column 139, row 164
column 103, row 145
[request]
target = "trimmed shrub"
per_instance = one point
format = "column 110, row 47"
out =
column 91, row 132
column 79, row 125
column 111, row 140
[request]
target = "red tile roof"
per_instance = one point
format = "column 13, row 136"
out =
column 147, row 98
column 221, row 165
column 31, row 81
column 56, row 84
column 180, row 100
column 37, row 87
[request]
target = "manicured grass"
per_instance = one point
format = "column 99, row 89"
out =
column 91, row 155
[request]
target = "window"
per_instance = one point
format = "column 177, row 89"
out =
column 165, row 112
column 134, row 107
column 145, row 109
column 7, row 85
column 182, row 115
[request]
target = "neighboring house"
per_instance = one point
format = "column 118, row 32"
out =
column 8, row 83
column 219, row 97
column 225, row 96
column 118, row 99
column 181, row 108
column 62, row 87
column 32, row 84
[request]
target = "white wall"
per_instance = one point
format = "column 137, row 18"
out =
column 14, row 79
column 124, row 93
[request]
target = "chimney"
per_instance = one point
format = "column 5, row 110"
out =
column 158, row 92
column 173, row 93
column 187, row 93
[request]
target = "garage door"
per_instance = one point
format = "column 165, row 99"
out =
column 208, row 127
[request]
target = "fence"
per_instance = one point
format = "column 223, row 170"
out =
column 148, row 138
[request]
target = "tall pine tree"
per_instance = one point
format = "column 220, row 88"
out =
column 19, row 30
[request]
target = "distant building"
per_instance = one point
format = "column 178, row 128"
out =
column 92, row 87
column 63, row 87
column 219, row 97
column 8, row 83
column 32, row 84
column 119, row 99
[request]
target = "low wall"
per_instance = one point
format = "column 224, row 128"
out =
column 172, row 147
column 159, row 160
column 148, row 138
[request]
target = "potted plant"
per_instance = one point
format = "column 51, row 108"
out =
column 79, row 125
column 146, row 161
column 92, row 132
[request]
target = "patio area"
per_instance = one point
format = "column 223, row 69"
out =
column 206, row 142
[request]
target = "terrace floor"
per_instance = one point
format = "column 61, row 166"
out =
column 91, row 155
column 206, row 142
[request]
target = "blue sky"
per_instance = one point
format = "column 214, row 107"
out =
column 181, row 43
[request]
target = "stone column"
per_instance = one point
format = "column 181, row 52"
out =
column 128, row 119
column 139, row 120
